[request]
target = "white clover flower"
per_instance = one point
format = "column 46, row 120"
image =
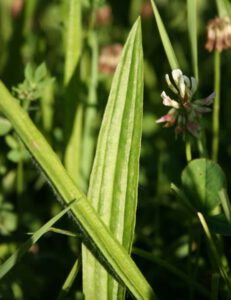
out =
column 184, row 112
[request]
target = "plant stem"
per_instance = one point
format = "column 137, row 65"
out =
column 216, row 106
column 167, row 266
column 97, row 235
column 215, row 286
column 213, row 249
column 90, row 114
column 20, row 178
column 201, row 144
column 73, row 105
column 70, row 279
column 188, row 151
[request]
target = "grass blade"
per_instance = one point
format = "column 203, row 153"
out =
column 172, row 269
column 192, row 29
column 216, row 106
column 224, row 8
column 13, row 259
column 216, row 255
column 114, row 177
column 73, row 41
column 73, row 108
column 165, row 39
column 90, row 113
column 70, row 280
column 225, row 203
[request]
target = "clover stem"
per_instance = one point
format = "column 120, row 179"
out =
column 188, row 151
column 214, row 250
column 201, row 144
column 216, row 106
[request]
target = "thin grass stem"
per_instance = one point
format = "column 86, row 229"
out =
column 215, row 286
column 216, row 106
column 214, row 250
column 201, row 145
column 169, row 267
column 188, row 151
column 70, row 279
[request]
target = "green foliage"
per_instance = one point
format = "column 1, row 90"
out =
column 12, row 260
column 5, row 126
column 94, row 230
column 17, row 152
column 114, row 178
column 182, row 239
column 33, row 86
column 192, row 12
column 202, row 180
column 165, row 39
column 8, row 220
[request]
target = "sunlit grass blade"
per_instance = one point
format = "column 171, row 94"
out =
column 6, row 24
column 224, row 8
column 73, row 107
column 216, row 106
column 73, row 40
column 64, row 232
column 90, row 111
column 165, row 38
column 96, row 234
column 14, row 259
column 70, row 280
column 192, row 30
column 114, row 177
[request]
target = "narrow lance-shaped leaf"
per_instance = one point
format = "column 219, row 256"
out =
column 96, row 233
column 192, row 29
column 114, row 178
column 165, row 39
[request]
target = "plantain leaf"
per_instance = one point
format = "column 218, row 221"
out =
column 165, row 39
column 114, row 177
column 202, row 181
column 96, row 235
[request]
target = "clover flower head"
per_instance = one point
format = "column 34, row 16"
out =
column 185, row 112
column 109, row 58
column 103, row 15
column 218, row 34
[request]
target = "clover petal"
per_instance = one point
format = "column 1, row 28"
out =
column 167, row 101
